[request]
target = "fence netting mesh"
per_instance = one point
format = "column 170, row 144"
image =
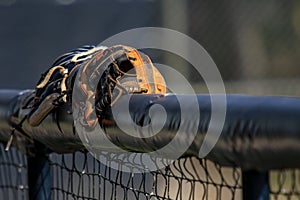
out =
column 187, row 178
column 13, row 174
column 81, row 176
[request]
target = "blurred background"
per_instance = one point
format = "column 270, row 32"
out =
column 255, row 44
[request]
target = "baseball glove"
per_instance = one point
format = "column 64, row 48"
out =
column 123, row 70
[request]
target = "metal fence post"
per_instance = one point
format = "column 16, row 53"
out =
column 255, row 185
column 39, row 176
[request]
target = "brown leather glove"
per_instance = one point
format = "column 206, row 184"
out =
column 123, row 70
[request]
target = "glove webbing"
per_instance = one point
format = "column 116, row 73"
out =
column 114, row 65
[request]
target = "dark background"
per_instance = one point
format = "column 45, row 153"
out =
column 256, row 45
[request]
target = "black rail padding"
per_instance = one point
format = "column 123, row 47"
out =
column 260, row 132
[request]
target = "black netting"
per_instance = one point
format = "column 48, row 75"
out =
column 13, row 174
column 81, row 176
column 188, row 178
column 285, row 184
